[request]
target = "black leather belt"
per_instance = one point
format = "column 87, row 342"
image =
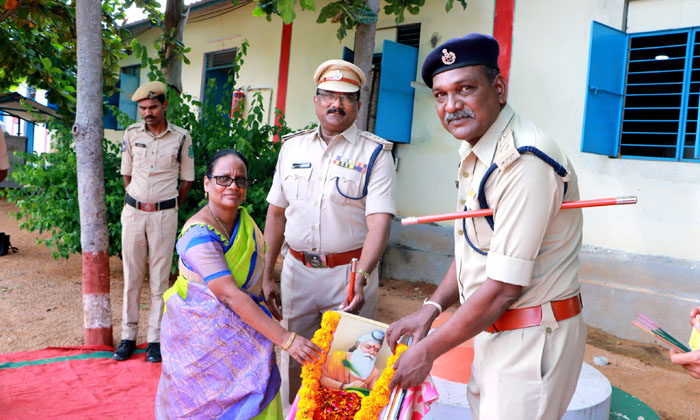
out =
column 163, row 205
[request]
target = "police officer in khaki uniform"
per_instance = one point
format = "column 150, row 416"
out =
column 154, row 153
column 332, row 200
column 516, row 274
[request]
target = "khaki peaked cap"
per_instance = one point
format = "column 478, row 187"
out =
column 339, row 76
column 148, row 91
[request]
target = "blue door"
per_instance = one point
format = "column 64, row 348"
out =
column 395, row 99
column 607, row 66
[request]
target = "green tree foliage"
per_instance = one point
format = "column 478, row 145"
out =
column 49, row 201
column 39, row 48
column 347, row 13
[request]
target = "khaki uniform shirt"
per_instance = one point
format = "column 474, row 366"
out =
column 4, row 160
column 319, row 218
column 151, row 161
column 534, row 244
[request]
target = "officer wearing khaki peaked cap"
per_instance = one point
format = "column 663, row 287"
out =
column 154, row 154
column 515, row 274
column 332, row 200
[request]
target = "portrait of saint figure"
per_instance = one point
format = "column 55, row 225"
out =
column 354, row 368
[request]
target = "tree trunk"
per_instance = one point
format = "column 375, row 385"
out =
column 88, row 134
column 364, row 50
column 172, row 65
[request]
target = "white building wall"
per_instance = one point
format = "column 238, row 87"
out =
column 548, row 85
column 549, row 66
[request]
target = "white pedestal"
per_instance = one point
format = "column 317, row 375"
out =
column 591, row 401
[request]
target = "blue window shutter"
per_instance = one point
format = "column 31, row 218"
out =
column 128, row 84
column 395, row 101
column 109, row 121
column 348, row 55
column 607, row 65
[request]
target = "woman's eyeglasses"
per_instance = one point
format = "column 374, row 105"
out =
column 225, row 181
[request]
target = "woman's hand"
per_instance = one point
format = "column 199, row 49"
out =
column 303, row 350
column 690, row 361
column 355, row 384
column 271, row 292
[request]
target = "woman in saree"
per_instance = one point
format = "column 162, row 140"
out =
column 217, row 337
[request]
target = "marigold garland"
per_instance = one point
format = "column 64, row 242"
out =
column 373, row 404
column 311, row 372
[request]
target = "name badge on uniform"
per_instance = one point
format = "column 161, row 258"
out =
column 350, row 164
column 139, row 145
column 301, row 165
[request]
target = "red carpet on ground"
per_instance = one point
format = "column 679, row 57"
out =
column 62, row 383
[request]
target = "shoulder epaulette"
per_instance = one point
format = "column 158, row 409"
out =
column 506, row 152
column 178, row 129
column 298, row 133
column 134, row 125
column 387, row 145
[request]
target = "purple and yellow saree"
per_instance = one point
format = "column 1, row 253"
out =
column 215, row 366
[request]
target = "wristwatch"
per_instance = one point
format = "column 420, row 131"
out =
column 364, row 274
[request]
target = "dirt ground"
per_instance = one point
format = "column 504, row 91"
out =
column 41, row 306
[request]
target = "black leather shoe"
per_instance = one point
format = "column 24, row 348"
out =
column 124, row 351
column 153, row 353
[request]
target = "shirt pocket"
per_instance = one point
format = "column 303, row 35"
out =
column 140, row 156
column 166, row 156
column 480, row 233
column 296, row 183
column 345, row 183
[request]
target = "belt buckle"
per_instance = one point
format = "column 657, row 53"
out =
column 147, row 206
column 315, row 260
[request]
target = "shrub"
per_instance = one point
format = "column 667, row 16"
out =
column 49, row 200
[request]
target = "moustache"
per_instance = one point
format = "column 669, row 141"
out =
column 340, row 111
column 462, row 113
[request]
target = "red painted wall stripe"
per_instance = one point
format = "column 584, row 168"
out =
column 503, row 32
column 284, row 70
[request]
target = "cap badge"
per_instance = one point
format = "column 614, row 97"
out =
column 338, row 75
column 152, row 94
column 448, row 57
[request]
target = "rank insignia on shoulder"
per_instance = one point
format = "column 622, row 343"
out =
column 350, row 164
column 301, row 165
column 506, row 152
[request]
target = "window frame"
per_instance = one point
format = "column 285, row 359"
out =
column 610, row 112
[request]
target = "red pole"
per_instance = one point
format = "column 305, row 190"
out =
column 353, row 268
column 282, row 79
column 598, row 202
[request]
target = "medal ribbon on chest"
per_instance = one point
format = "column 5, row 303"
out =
column 350, row 164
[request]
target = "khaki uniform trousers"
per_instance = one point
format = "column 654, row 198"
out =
column 146, row 237
column 306, row 294
column 528, row 373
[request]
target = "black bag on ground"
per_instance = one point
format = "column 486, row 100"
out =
column 5, row 245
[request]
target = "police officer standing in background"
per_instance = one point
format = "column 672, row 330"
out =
column 154, row 153
column 516, row 274
column 332, row 200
